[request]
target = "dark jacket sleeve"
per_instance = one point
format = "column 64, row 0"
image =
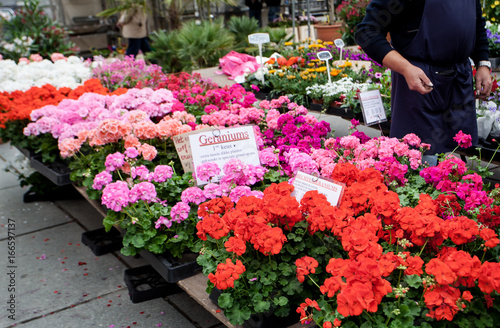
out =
column 400, row 17
column 372, row 31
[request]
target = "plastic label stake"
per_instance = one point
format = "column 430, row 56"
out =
column 325, row 56
column 259, row 39
column 339, row 44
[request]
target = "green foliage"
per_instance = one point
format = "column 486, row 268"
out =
column 193, row 46
column 241, row 27
column 31, row 31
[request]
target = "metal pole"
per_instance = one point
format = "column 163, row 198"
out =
column 293, row 20
column 308, row 20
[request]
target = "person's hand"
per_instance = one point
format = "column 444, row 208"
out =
column 417, row 80
column 483, row 82
column 119, row 25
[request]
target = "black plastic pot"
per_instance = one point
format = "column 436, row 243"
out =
column 101, row 242
column 145, row 284
column 56, row 172
column 173, row 269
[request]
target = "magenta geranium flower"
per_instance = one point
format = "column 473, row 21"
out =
column 463, row 140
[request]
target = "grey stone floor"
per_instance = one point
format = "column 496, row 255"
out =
column 56, row 281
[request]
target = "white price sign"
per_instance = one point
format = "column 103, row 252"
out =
column 372, row 107
column 304, row 182
column 219, row 146
column 324, row 55
column 259, row 38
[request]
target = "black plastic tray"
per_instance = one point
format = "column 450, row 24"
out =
column 145, row 284
column 171, row 269
column 102, row 242
column 56, row 172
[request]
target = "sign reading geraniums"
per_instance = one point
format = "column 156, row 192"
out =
column 304, row 182
column 219, row 146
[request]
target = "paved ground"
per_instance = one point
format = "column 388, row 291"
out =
column 53, row 280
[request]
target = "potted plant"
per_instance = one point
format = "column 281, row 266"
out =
column 494, row 44
column 330, row 30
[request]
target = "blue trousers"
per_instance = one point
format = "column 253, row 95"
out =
column 134, row 45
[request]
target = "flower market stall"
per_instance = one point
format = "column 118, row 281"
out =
column 319, row 229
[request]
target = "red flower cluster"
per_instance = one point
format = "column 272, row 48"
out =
column 226, row 274
column 370, row 214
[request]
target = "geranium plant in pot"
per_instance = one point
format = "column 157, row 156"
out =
column 426, row 256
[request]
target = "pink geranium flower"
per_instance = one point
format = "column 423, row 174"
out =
column 463, row 140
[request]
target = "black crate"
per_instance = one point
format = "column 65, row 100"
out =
column 102, row 242
column 145, row 284
column 56, row 172
column 173, row 269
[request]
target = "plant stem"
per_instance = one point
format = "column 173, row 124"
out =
column 425, row 244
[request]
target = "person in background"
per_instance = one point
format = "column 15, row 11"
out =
column 432, row 82
column 274, row 7
column 133, row 23
column 255, row 10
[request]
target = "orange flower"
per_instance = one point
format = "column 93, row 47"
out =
column 490, row 237
column 305, row 266
column 269, row 241
column 461, row 229
column 235, row 245
column 442, row 302
column 226, row 274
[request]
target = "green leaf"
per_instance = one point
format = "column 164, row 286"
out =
column 286, row 269
column 137, row 240
column 281, row 301
column 413, row 281
column 225, row 300
column 262, row 306
column 108, row 223
column 237, row 315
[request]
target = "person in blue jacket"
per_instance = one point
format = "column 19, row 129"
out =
column 433, row 94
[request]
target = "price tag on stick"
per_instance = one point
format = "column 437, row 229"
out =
column 259, row 39
column 339, row 44
column 326, row 55
column 303, row 182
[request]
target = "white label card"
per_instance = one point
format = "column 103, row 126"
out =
column 304, row 182
column 372, row 107
column 219, row 146
column 324, row 55
column 339, row 43
column 259, row 38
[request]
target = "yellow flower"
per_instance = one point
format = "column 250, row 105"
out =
column 310, row 64
column 304, row 77
column 271, row 71
column 310, row 70
column 281, row 74
column 300, row 48
column 492, row 5
column 344, row 75
column 321, row 69
column 288, row 43
column 497, row 3
column 313, row 76
column 493, row 19
column 290, row 77
column 329, row 42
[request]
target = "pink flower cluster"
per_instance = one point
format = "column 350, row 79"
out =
column 102, row 119
column 390, row 156
column 234, row 115
column 449, row 176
